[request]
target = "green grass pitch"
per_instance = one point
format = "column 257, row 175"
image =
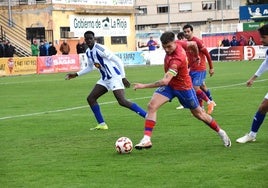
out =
column 45, row 139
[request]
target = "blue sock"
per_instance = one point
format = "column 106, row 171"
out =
column 134, row 107
column 208, row 94
column 257, row 121
column 97, row 113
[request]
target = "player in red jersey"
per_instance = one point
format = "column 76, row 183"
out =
column 198, row 70
column 175, row 83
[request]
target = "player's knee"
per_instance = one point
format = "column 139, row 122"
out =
column 90, row 100
column 123, row 102
column 151, row 107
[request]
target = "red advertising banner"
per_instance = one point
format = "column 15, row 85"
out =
column 227, row 53
column 58, row 63
column 45, row 65
column 17, row 66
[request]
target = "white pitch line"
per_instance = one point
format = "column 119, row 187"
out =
column 240, row 84
column 104, row 103
column 61, row 110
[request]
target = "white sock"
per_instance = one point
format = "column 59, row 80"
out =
column 252, row 134
column 146, row 137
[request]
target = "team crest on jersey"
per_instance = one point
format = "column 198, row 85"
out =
column 97, row 65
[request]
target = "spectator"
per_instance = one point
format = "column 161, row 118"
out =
column 42, row 49
column 47, row 46
column 65, row 48
column 234, row 42
column 225, row 42
column 80, row 47
column 251, row 41
column 51, row 49
column 9, row 50
column 2, row 49
column 242, row 41
column 10, row 64
column 152, row 44
column 35, row 48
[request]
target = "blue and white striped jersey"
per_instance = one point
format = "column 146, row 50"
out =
column 105, row 61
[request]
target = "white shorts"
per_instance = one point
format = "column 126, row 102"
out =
column 114, row 83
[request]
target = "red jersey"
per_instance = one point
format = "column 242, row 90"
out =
column 177, row 62
column 183, row 43
column 193, row 65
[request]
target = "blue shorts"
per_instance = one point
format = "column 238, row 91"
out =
column 186, row 97
column 198, row 77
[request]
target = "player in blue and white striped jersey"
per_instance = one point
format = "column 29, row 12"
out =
column 112, row 78
column 263, row 107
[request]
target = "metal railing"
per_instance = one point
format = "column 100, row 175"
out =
column 16, row 35
column 25, row 2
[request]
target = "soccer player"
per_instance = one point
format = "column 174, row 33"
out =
column 188, row 46
column 198, row 70
column 175, row 83
column 263, row 107
column 112, row 78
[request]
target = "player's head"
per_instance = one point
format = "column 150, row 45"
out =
column 263, row 30
column 168, row 42
column 180, row 36
column 188, row 31
column 89, row 38
column 188, row 26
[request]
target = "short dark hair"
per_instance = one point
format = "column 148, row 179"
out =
column 180, row 35
column 188, row 26
column 89, row 33
column 263, row 30
column 167, row 37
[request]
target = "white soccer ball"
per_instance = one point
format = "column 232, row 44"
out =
column 123, row 145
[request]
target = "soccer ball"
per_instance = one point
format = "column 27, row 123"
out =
column 123, row 145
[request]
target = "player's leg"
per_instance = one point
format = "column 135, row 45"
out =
column 207, row 92
column 157, row 100
column 198, row 78
column 120, row 97
column 189, row 100
column 206, row 118
column 256, row 123
column 92, row 98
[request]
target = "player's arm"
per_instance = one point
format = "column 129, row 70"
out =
column 263, row 68
column 163, row 82
column 206, row 53
column 204, row 50
column 86, row 70
column 192, row 46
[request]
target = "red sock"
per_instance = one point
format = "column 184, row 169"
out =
column 201, row 95
column 148, row 127
column 214, row 125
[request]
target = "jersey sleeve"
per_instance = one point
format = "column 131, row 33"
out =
column 263, row 67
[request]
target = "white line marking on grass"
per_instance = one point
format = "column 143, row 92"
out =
column 104, row 103
column 61, row 110
column 232, row 85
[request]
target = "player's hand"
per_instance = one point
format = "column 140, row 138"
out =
column 197, row 60
column 250, row 82
column 137, row 86
column 211, row 72
column 70, row 76
column 126, row 82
